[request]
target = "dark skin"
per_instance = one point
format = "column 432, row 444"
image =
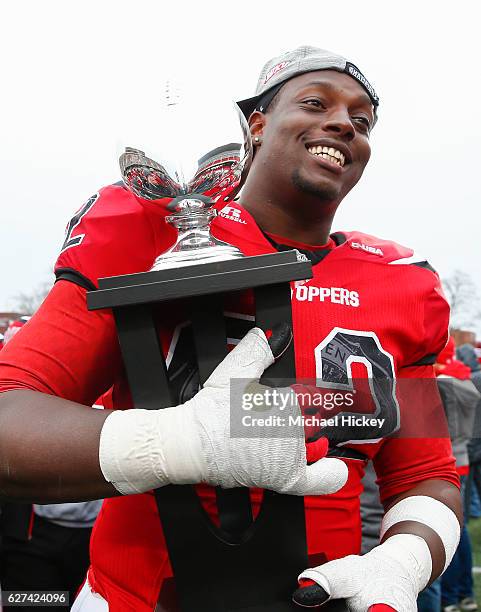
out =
column 331, row 109
column 62, row 464
column 291, row 193
column 325, row 108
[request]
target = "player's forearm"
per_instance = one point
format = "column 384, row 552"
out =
column 53, row 450
column 49, row 449
column 419, row 535
column 443, row 492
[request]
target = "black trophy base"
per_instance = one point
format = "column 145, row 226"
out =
column 241, row 564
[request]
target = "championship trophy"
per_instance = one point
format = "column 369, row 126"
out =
column 241, row 563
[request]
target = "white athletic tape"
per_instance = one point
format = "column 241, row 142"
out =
column 191, row 443
column 430, row 512
column 130, row 454
column 392, row 573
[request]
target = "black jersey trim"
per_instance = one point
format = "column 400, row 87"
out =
column 313, row 256
column 120, row 184
column 424, row 264
column 347, row 453
column 339, row 238
column 426, row 360
column 73, row 276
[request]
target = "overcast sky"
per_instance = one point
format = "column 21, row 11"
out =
column 72, row 71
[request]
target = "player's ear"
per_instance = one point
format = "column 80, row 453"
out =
column 257, row 122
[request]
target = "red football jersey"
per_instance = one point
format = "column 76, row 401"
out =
column 372, row 309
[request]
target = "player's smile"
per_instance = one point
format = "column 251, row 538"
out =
column 334, row 156
column 330, row 154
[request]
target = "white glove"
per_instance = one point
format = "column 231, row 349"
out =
column 191, row 443
column 393, row 573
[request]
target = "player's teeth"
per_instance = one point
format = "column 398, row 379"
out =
column 329, row 153
column 330, row 158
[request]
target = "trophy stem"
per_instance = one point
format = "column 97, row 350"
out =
column 195, row 244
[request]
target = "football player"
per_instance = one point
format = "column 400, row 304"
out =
column 371, row 306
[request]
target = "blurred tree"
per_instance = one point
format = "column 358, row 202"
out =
column 463, row 297
column 29, row 302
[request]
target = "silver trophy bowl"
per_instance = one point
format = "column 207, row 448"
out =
column 159, row 164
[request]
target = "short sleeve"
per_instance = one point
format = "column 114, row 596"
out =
column 434, row 326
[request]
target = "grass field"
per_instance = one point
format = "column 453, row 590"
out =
column 474, row 527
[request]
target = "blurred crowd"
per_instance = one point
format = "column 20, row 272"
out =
column 458, row 372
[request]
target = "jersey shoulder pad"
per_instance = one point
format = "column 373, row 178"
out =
column 384, row 250
column 388, row 251
column 111, row 234
column 423, row 291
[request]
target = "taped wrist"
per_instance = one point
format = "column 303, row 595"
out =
column 430, row 512
column 413, row 553
column 142, row 450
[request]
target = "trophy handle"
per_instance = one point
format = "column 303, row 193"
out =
column 209, row 331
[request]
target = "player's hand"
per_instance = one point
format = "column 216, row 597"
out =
column 371, row 582
column 194, row 442
column 253, row 456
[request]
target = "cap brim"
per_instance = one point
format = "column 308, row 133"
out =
column 248, row 106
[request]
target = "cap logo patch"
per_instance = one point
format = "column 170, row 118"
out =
column 277, row 68
column 357, row 74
